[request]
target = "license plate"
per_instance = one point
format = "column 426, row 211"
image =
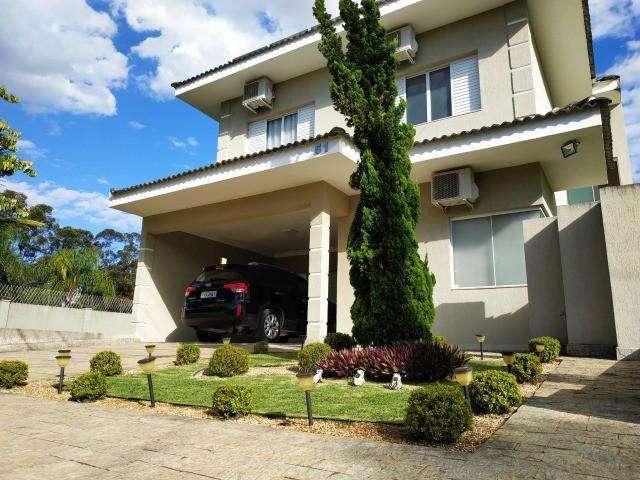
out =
column 211, row 294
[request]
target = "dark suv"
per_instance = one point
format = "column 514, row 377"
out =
column 265, row 300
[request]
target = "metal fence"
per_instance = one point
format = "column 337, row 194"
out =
column 42, row 296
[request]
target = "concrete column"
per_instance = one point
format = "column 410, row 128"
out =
column 141, row 321
column 319, row 246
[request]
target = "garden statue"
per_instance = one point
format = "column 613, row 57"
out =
column 358, row 379
column 396, row 382
column 317, row 378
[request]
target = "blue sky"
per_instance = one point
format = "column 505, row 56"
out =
column 98, row 110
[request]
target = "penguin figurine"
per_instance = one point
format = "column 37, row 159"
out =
column 317, row 378
column 396, row 382
column 358, row 379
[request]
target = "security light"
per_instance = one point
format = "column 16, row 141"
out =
column 570, row 148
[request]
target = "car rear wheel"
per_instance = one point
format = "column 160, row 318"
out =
column 269, row 325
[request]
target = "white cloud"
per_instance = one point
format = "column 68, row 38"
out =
column 137, row 125
column 614, row 18
column 59, row 56
column 103, row 181
column 191, row 36
column 187, row 144
column 28, row 149
column 73, row 205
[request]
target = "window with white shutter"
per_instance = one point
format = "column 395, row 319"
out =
column 401, row 84
column 257, row 136
column 306, row 122
column 465, row 86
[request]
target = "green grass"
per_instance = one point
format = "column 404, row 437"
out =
column 276, row 359
column 277, row 394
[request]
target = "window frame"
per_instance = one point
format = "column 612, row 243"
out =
column 427, row 74
column 281, row 118
column 485, row 215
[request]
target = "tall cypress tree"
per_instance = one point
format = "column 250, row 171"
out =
column 392, row 286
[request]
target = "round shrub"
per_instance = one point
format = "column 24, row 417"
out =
column 438, row 413
column 228, row 361
column 339, row 341
column 13, row 373
column 107, row 363
column 493, row 391
column 551, row 348
column 527, row 368
column 187, row 353
column 88, row 386
column 261, row 347
column 439, row 340
column 310, row 355
column 232, row 401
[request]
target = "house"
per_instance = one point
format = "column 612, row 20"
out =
column 512, row 129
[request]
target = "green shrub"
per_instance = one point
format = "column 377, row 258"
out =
column 13, row 373
column 107, row 363
column 493, row 391
column 439, row 340
column 88, row 386
column 187, row 353
column 438, row 413
column 527, row 368
column 261, row 347
column 551, row 348
column 232, row 401
column 310, row 355
column 228, row 361
column 340, row 341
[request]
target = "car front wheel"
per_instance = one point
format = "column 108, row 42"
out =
column 269, row 325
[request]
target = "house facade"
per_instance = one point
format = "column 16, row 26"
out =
column 503, row 92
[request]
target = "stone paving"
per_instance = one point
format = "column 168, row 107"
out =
column 583, row 423
column 42, row 364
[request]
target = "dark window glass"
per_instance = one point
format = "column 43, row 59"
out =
column 440, row 87
column 417, row 99
column 218, row 274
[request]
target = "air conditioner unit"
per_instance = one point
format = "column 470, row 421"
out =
column 455, row 187
column 407, row 46
column 258, row 94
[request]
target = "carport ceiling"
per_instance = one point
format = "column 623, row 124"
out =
column 273, row 235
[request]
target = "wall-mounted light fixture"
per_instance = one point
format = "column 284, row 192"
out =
column 570, row 148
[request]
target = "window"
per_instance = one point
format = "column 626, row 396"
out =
column 489, row 251
column 273, row 133
column 447, row 91
column 583, row 195
column 281, row 131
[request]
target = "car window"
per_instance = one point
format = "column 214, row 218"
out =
column 218, row 274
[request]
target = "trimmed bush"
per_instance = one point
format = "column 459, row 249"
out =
column 187, row 353
column 340, row 341
column 551, row 348
column 228, row 361
column 421, row 360
column 527, row 368
column 493, row 391
column 310, row 355
column 13, row 373
column 439, row 339
column 261, row 347
column 88, row 386
column 107, row 363
column 438, row 413
column 232, row 401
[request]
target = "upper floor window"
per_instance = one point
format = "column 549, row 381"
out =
column 450, row 90
column 583, row 195
column 273, row 133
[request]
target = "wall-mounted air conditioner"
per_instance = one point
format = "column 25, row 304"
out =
column 258, row 94
column 407, row 44
column 454, row 187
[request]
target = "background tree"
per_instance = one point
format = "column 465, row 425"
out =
column 77, row 271
column 392, row 285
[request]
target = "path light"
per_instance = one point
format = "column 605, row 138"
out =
column 540, row 348
column 150, row 349
column 63, row 361
column 509, row 358
column 147, row 365
column 464, row 375
column 226, row 341
column 480, row 338
column 64, row 352
column 307, row 382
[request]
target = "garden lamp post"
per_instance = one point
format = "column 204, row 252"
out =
column 226, row 340
column 150, row 349
column 509, row 358
column 540, row 348
column 480, row 338
column 307, row 382
column 63, row 361
column 147, row 365
column 464, row 375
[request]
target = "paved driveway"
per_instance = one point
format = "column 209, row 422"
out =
column 584, row 423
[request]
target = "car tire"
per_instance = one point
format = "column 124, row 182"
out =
column 207, row 337
column 269, row 324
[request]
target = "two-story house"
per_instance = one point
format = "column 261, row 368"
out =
column 510, row 121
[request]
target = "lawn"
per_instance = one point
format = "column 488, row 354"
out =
column 277, row 394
